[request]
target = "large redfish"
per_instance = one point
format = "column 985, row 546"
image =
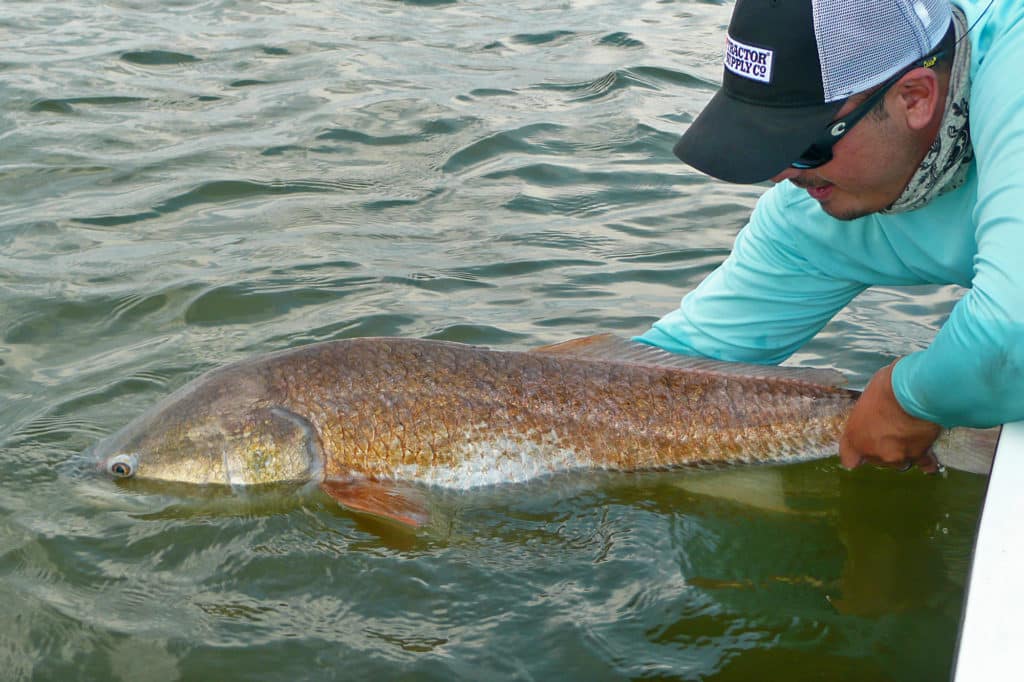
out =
column 365, row 417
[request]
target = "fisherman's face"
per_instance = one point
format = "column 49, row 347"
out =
column 870, row 167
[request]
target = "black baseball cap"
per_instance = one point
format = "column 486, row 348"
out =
column 790, row 65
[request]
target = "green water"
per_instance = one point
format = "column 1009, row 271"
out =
column 183, row 184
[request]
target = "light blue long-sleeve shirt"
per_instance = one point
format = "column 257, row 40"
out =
column 793, row 267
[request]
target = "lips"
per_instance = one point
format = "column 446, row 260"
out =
column 820, row 193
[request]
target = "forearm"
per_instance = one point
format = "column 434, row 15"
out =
column 970, row 376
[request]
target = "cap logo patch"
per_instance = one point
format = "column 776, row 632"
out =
column 748, row 61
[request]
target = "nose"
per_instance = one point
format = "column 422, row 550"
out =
column 787, row 174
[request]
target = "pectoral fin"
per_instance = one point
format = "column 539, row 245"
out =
column 390, row 499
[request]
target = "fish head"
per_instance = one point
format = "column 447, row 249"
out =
column 220, row 430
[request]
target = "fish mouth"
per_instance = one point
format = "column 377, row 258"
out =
column 84, row 464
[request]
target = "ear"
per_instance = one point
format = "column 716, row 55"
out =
column 920, row 96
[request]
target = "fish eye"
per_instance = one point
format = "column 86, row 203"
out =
column 122, row 466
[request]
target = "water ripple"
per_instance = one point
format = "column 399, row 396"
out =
column 158, row 58
column 224, row 191
column 502, row 144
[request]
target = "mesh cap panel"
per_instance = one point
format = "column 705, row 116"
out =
column 860, row 48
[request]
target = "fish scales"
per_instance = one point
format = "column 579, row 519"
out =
column 406, row 407
column 362, row 418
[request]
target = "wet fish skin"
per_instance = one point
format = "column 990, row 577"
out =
column 389, row 407
column 360, row 415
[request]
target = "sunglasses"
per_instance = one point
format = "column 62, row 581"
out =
column 820, row 151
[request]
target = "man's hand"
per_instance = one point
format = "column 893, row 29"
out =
column 881, row 433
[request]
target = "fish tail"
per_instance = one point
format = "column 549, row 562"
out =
column 967, row 449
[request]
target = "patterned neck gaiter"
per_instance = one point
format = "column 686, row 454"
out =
column 945, row 166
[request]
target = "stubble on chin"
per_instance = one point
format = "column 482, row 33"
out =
column 846, row 215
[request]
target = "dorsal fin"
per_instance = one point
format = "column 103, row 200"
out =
column 611, row 347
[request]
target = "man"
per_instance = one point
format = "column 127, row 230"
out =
column 894, row 132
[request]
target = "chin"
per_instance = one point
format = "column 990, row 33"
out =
column 849, row 214
column 846, row 211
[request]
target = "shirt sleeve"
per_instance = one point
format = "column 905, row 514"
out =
column 973, row 372
column 764, row 302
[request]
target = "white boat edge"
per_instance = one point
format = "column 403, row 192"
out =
column 990, row 629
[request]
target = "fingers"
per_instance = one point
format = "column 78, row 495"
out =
column 928, row 463
column 848, row 455
column 880, row 432
column 849, row 458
